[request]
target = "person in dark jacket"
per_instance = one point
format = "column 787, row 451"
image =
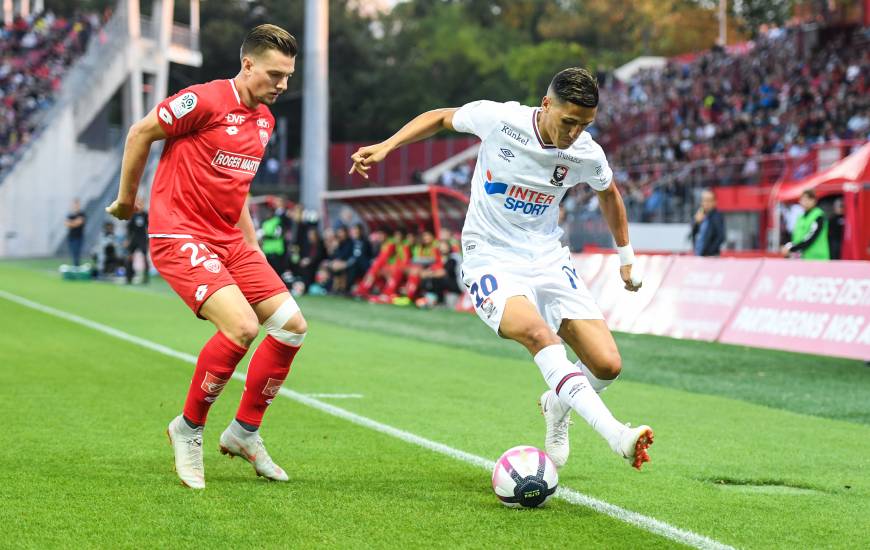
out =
column 137, row 239
column 75, row 224
column 708, row 229
column 836, row 228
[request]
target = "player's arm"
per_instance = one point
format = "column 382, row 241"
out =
column 423, row 126
column 139, row 139
column 613, row 210
column 249, row 232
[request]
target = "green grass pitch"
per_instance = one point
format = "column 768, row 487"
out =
column 754, row 448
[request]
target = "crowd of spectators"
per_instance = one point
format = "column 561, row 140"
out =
column 34, row 54
column 671, row 131
column 398, row 267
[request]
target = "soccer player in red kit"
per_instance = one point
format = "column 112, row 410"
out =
column 204, row 244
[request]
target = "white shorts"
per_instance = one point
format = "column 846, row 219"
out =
column 550, row 283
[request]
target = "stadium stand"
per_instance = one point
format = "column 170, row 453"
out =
column 748, row 117
column 36, row 53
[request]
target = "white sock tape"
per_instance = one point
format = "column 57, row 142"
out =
column 283, row 314
column 286, row 337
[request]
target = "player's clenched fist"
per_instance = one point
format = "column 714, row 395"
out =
column 123, row 211
column 633, row 282
column 366, row 156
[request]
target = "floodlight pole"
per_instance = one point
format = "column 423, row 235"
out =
column 315, row 104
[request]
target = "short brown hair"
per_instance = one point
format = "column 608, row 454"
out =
column 809, row 193
column 575, row 85
column 268, row 37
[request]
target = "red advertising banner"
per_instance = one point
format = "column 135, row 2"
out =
column 619, row 306
column 589, row 266
column 812, row 307
column 697, row 297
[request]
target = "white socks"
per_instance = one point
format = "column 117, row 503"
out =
column 597, row 384
column 574, row 390
column 239, row 431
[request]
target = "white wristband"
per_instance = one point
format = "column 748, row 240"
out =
column 626, row 254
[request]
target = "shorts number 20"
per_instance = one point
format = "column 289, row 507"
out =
column 487, row 286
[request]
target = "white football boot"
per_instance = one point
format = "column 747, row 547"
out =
column 250, row 447
column 633, row 443
column 557, row 416
column 187, row 444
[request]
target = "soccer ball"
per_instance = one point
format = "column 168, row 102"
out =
column 524, row 477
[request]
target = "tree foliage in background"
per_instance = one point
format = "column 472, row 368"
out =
column 387, row 67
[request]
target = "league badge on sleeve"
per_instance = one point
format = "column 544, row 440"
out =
column 183, row 104
column 264, row 137
column 559, row 174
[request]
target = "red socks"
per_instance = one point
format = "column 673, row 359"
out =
column 269, row 366
column 214, row 367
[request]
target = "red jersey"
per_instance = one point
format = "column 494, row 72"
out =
column 213, row 149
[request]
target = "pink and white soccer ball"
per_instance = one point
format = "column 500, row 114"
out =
column 524, row 477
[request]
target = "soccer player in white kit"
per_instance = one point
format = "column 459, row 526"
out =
column 522, row 281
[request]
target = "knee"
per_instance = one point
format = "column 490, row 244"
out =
column 296, row 324
column 537, row 337
column 607, row 366
column 243, row 331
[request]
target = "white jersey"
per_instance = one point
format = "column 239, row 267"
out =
column 519, row 181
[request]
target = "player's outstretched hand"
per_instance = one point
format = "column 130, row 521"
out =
column 366, row 156
column 123, row 211
column 633, row 282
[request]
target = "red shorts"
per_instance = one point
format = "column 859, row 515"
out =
column 196, row 269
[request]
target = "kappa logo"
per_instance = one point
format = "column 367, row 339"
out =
column 233, row 118
column 164, row 115
column 559, row 174
column 183, row 104
column 200, row 292
column 506, row 154
column 272, row 387
column 264, row 137
column 232, row 130
column 213, row 385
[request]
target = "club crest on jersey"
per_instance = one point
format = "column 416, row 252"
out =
column 264, row 137
column 559, row 174
column 519, row 199
column 212, row 265
column 183, row 104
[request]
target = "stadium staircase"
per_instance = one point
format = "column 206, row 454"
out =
column 62, row 162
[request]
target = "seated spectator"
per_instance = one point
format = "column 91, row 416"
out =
column 440, row 281
column 391, row 258
column 311, row 254
column 425, row 261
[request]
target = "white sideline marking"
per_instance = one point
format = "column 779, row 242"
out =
column 335, row 395
column 641, row 521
